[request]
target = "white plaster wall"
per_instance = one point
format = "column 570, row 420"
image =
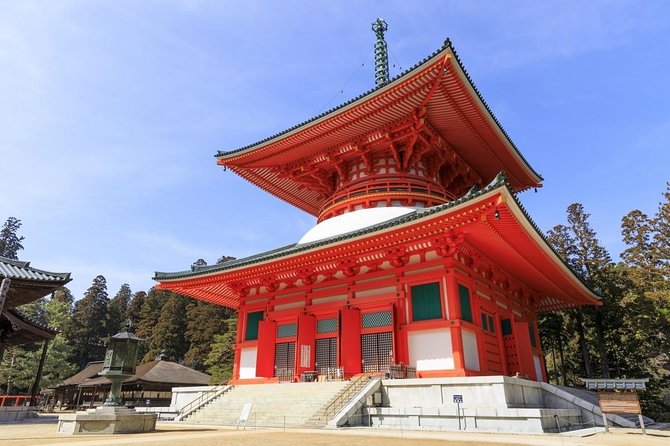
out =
column 181, row 396
column 431, row 350
column 470, row 350
column 352, row 221
column 248, row 363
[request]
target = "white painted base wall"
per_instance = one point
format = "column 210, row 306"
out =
column 431, row 350
column 248, row 363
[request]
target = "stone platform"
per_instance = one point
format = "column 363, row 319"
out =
column 106, row 420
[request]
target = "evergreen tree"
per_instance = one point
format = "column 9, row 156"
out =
column 10, row 242
column 117, row 310
column 149, row 315
column 220, row 359
column 88, row 325
column 204, row 321
column 646, row 328
column 169, row 334
column 578, row 244
column 135, row 308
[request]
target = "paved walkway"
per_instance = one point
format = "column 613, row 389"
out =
column 43, row 432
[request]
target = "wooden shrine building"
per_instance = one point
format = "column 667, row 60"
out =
column 422, row 254
column 23, row 284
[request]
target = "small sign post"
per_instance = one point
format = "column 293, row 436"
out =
column 458, row 399
column 244, row 416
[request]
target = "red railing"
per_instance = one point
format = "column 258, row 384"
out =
column 382, row 188
column 14, row 400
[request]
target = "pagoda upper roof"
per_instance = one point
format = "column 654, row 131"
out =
column 512, row 239
column 439, row 85
column 27, row 283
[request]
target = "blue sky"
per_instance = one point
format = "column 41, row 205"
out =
column 111, row 112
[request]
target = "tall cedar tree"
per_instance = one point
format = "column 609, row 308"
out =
column 577, row 243
column 135, row 308
column 646, row 329
column 204, row 321
column 149, row 314
column 88, row 325
column 117, row 309
column 10, row 242
column 168, row 336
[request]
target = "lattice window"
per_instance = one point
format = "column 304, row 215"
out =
column 377, row 319
column 326, row 355
column 326, row 325
column 377, row 351
column 285, row 360
column 287, row 330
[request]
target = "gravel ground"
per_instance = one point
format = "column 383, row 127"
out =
column 43, row 432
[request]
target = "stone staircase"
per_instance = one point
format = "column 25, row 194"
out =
column 273, row 405
column 338, row 401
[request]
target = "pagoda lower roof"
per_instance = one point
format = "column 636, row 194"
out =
column 27, row 283
column 454, row 108
column 512, row 239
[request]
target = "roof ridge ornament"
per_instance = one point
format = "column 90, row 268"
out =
column 379, row 26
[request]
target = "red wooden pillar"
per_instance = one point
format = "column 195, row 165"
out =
column 238, row 350
column 522, row 336
column 350, row 341
column 306, row 354
column 265, row 355
column 454, row 308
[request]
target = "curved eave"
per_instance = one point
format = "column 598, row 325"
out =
column 513, row 241
column 457, row 111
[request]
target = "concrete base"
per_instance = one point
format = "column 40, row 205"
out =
column 488, row 404
column 106, row 420
column 15, row 413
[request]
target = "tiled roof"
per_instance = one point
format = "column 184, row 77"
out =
column 447, row 45
column 15, row 269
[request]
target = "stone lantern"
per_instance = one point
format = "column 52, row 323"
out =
column 112, row 418
column 120, row 361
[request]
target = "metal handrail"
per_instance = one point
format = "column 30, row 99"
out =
column 203, row 399
column 345, row 396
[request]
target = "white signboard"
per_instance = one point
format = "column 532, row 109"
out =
column 305, row 356
column 244, row 416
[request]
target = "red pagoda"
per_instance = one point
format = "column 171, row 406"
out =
column 422, row 256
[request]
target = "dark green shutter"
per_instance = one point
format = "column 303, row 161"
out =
column 252, row 325
column 506, row 327
column 492, row 328
column 484, row 322
column 426, row 302
column 466, row 310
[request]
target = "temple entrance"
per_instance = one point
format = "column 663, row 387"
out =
column 509, row 344
column 377, row 351
column 285, row 361
column 326, row 356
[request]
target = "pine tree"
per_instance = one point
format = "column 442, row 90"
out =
column 88, row 325
column 10, row 242
column 117, row 310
